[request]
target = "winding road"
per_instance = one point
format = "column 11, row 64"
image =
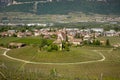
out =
column 31, row 62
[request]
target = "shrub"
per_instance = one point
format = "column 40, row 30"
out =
column 52, row 47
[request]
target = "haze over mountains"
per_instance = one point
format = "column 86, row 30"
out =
column 63, row 6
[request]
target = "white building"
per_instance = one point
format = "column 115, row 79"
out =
column 97, row 30
column 110, row 33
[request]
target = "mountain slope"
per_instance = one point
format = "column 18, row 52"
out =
column 79, row 6
column 66, row 6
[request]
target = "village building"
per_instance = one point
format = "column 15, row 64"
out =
column 20, row 34
column 3, row 34
column 36, row 32
column 11, row 32
column 28, row 33
column 16, row 45
column 61, row 36
column 110, row 33
column 87, row 38
column 100, row 30
column 76, row 42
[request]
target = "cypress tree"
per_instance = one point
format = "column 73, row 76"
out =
column 107, row 42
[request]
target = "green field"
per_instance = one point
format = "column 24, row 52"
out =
column 74, row 55
column 109, row 68
column 113, row 40
column 90, row 71
column 7, row 40
column 26, row 40
column 1, row 51
column 10, row 64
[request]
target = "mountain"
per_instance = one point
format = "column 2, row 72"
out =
column 85, row 6
column 63, row 6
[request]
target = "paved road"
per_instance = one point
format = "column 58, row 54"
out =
column 31, row 62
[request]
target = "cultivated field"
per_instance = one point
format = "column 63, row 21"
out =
column 72, row 56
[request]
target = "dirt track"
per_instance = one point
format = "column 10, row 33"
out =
column 30, row 62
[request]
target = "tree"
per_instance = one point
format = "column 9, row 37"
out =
column 94, row 42
column 54, row 36
column 116, row 28
column 43, row 42
column 52, row 47
column 107, row 42
column 14, row 35
column 66, row 38
column 65, row 46
column 49, row 49
column 97, row 42
column 77, row 35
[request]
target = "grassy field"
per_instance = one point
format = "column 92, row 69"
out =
column 107, row 70
column 7, row 40
column 26, row 40
column 113, row 40
column 8, row 62
column 74, row 55
column 91, row 71
column 1, row 51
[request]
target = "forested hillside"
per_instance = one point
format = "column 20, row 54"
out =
column 79, row 6
column 28, row 0
column 18, row 8
column 65, row 7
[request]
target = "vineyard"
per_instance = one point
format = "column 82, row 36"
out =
column 106, row 70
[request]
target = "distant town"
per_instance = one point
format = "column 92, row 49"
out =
column 75, row 36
